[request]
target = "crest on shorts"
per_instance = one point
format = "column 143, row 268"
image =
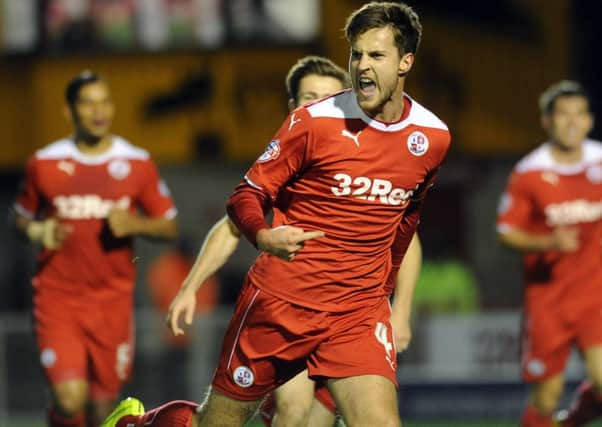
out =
column 536, row 367
column 418, row 143
column 271, row 152
column 243, row 376
column 119, row 168
column 48, row 357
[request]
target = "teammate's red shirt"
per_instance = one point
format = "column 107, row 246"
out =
column 80, row 190
column 543, row 194
column 353, row 178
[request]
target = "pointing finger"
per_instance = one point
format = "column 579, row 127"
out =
column 308, row 235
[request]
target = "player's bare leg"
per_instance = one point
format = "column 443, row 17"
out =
column 69, row 400
column 593, row 364
column 99, row 410
column 543, row 401
column 545, row 395
column 219, row 410
column 366, row 400
column 587, row 404
column 320, row 415
column 294, row 401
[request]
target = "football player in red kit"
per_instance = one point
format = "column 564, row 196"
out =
column 80, row 201
column 551, row 212
column 295, row 402
column 342, row 174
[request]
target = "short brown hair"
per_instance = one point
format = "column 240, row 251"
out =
column 76, row 84
column 402, row 19
column 317, row 65
column 547, row 100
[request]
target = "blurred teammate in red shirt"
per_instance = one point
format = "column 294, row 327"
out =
column 80, row 201
column 552, row 213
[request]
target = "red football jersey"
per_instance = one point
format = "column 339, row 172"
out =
column 80, row 190
column 352, row 177
column 402, row 240
column 543, row 194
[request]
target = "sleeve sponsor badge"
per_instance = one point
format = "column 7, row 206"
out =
column 271, row 152
column 504, row 204
column 163, row 189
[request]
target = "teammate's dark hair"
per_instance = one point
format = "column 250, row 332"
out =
column 402, row 19
column 75, row 85
column 317, row 65
column 547, row 100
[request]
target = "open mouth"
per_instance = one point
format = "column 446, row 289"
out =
column 367, row 86
column 99, row 122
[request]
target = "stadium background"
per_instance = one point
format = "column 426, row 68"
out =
column 200, row 84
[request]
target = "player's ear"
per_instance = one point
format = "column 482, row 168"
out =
column 546, row 122
column 67, row 113
column 405, row 64
column 592, row 122
column 291, row 104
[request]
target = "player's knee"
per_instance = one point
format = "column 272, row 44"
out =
column 372, row 416
column 294, row 414
column 294, row 408
column 374, row 420
column 219, row 409
column 70, row 402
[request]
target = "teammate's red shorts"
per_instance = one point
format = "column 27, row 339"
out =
column 82, row 337
column 270, row 340
column 550, row 333
column 322, row 395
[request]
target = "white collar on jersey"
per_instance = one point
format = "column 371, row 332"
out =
column 66, row 148
column 541, row 159
column 344, row 105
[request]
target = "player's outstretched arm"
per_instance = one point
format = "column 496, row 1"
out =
column 405, row 282
column 221, row 241
column 562, row 239
column 124, row 223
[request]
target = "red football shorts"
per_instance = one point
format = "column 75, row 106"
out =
column 322, row 395
column 270, row 340
column 80, row 337
column 549, row 334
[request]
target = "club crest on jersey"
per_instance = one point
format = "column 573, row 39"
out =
column 594, row 174
column 243, row 376
column 418, row 143
column 119, row 168
column 271, row 152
